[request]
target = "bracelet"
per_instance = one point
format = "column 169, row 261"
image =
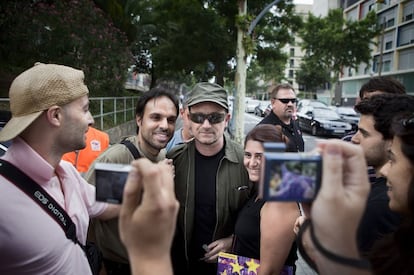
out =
column 357, row 263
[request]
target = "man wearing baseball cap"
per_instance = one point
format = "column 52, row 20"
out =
column 211, row 183
column 50, row 116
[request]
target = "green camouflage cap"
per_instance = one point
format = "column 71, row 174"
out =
column 208, row 92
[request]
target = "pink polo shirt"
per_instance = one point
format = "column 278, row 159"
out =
column 31, row 242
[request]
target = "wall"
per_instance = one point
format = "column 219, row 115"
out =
column 122, row 130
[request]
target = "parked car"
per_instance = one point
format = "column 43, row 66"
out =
column 268, row 109
column 310, row 102
column 322, row 121
column 348, row 114
column 260, row 109
column 250, row 105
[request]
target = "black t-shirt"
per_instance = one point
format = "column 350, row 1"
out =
column 292, row 131
column 205, row 201
column 247, row 232
column 378, row 219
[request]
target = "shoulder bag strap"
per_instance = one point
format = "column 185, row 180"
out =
column 131, row 147
column 40, row 196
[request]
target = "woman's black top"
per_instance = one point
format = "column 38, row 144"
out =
column 247, row 233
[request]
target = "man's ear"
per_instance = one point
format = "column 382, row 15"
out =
column 54, row 115
column 138, row 120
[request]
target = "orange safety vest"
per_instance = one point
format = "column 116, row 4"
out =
column 96, row 142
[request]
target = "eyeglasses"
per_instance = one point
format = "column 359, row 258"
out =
column 213, row 118
column 408, row 123
column 286, row 100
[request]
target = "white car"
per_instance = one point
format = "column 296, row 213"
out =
column 250, row 105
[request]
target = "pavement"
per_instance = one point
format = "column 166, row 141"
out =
column 302, row 268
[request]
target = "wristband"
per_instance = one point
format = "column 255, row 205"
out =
column 357, row 263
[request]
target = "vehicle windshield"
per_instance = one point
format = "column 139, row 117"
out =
column 325, row 113
column 347, row 111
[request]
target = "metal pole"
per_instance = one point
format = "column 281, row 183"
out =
column 382, row 48
column 261, row 14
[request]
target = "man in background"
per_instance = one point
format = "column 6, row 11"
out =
column 283, row 100
column 156, row 114
column 375, row 137
column 183, row 134
column 96, row 142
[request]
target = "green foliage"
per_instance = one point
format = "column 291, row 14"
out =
column 72, row 32
column 312, row 74
column 188, row 40
column 336, row 42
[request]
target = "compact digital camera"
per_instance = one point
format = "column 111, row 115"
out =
column 110, row 179
column 290, row 176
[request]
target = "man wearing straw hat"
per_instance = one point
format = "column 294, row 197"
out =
column 50, row 116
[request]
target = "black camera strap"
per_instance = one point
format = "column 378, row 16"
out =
column 41, row 197
column 131, row 147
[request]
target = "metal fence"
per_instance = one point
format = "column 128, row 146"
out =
column 107, row 111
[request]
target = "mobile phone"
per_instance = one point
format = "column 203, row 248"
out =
column 290, row 176
column 110, row 179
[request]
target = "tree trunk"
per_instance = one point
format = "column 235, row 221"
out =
column 240, row 80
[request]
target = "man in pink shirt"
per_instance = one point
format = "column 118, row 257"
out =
column 50, row 116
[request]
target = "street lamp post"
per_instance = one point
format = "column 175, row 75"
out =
column 241, row 69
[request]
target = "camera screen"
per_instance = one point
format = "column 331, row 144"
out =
column 291, row 177
column 110, row 183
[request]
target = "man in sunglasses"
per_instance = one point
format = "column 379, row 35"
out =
column 283, row 100
column 211, row 183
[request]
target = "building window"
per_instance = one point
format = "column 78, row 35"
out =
column 406, row 35
column 292, row 51
column 387, row 60
column 292, row 63
column 386, row 66
column 388, row 45
column 390, row 22
column 408, row 12
column 388, row 40
column 387, row 19
column 291, row 73
column 406, row 59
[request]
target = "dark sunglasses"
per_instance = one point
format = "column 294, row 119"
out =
column 408, row 123
column 213, row 118
column 286, row 100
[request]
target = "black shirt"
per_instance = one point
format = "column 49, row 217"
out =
column 205, row 201
column 291, row 131
column 247, row 232
column 378, row 219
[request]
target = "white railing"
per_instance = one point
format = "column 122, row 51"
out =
column 107, row 111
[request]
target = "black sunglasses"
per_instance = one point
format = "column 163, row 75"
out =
column 286, row 100
column 213, row 118
column 408, row 123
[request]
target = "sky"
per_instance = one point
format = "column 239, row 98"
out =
column 303, row 1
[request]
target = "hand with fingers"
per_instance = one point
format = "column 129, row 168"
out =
column 335, row 214
column 148, row 217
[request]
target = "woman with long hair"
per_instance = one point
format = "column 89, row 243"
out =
column 264, row 229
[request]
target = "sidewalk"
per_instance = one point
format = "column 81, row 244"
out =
column 302, row 268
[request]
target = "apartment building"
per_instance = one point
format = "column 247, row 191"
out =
column 294, row 51
column 393, row 52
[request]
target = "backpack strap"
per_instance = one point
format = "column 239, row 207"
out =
column 131, row 147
